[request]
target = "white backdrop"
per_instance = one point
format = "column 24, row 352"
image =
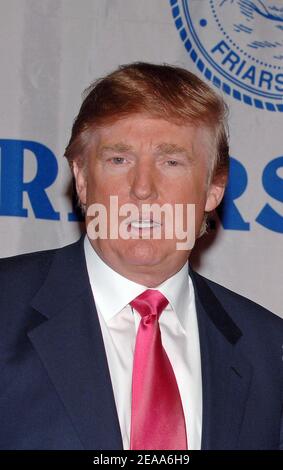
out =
column 50, row 50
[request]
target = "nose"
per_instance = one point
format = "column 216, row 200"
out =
column 143, row 181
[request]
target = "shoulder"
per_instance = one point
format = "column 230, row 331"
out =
column 245, row 312
column 21, row 276
column 24, row 272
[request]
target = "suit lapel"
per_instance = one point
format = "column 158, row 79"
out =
column 226, row 374
column 71, row 347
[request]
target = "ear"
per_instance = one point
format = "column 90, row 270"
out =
column 215, row 194
column 81, row 184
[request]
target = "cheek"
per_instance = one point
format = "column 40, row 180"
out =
column 100, row 187
column 191, row 190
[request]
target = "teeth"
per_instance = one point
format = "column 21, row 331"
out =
column 144, row 224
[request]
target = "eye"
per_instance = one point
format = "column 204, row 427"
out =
column 172, row 162
column 117, row 160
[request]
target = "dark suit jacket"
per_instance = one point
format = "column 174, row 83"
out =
column 55, row 386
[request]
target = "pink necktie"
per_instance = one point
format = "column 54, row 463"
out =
column 157, row 420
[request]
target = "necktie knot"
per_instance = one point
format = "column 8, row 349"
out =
column 150, row 302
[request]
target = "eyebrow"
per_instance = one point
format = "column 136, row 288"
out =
column 170, row 149
column 120, row 147
column 163, row 148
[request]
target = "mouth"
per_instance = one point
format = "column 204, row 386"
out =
column 143, row 226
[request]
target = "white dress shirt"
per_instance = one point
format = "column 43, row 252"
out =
column 119, row 323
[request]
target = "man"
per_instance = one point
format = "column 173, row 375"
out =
column 114, row 341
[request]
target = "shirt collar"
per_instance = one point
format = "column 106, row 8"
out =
column 113, row 292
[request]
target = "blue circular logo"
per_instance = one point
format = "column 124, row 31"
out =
column 237, row 45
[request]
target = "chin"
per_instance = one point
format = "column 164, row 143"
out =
column 142, row 253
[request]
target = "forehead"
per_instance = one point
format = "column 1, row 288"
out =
column 139, row 129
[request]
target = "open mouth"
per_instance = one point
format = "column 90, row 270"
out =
column 144, row 224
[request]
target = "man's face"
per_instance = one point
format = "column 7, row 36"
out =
column 145, row 160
